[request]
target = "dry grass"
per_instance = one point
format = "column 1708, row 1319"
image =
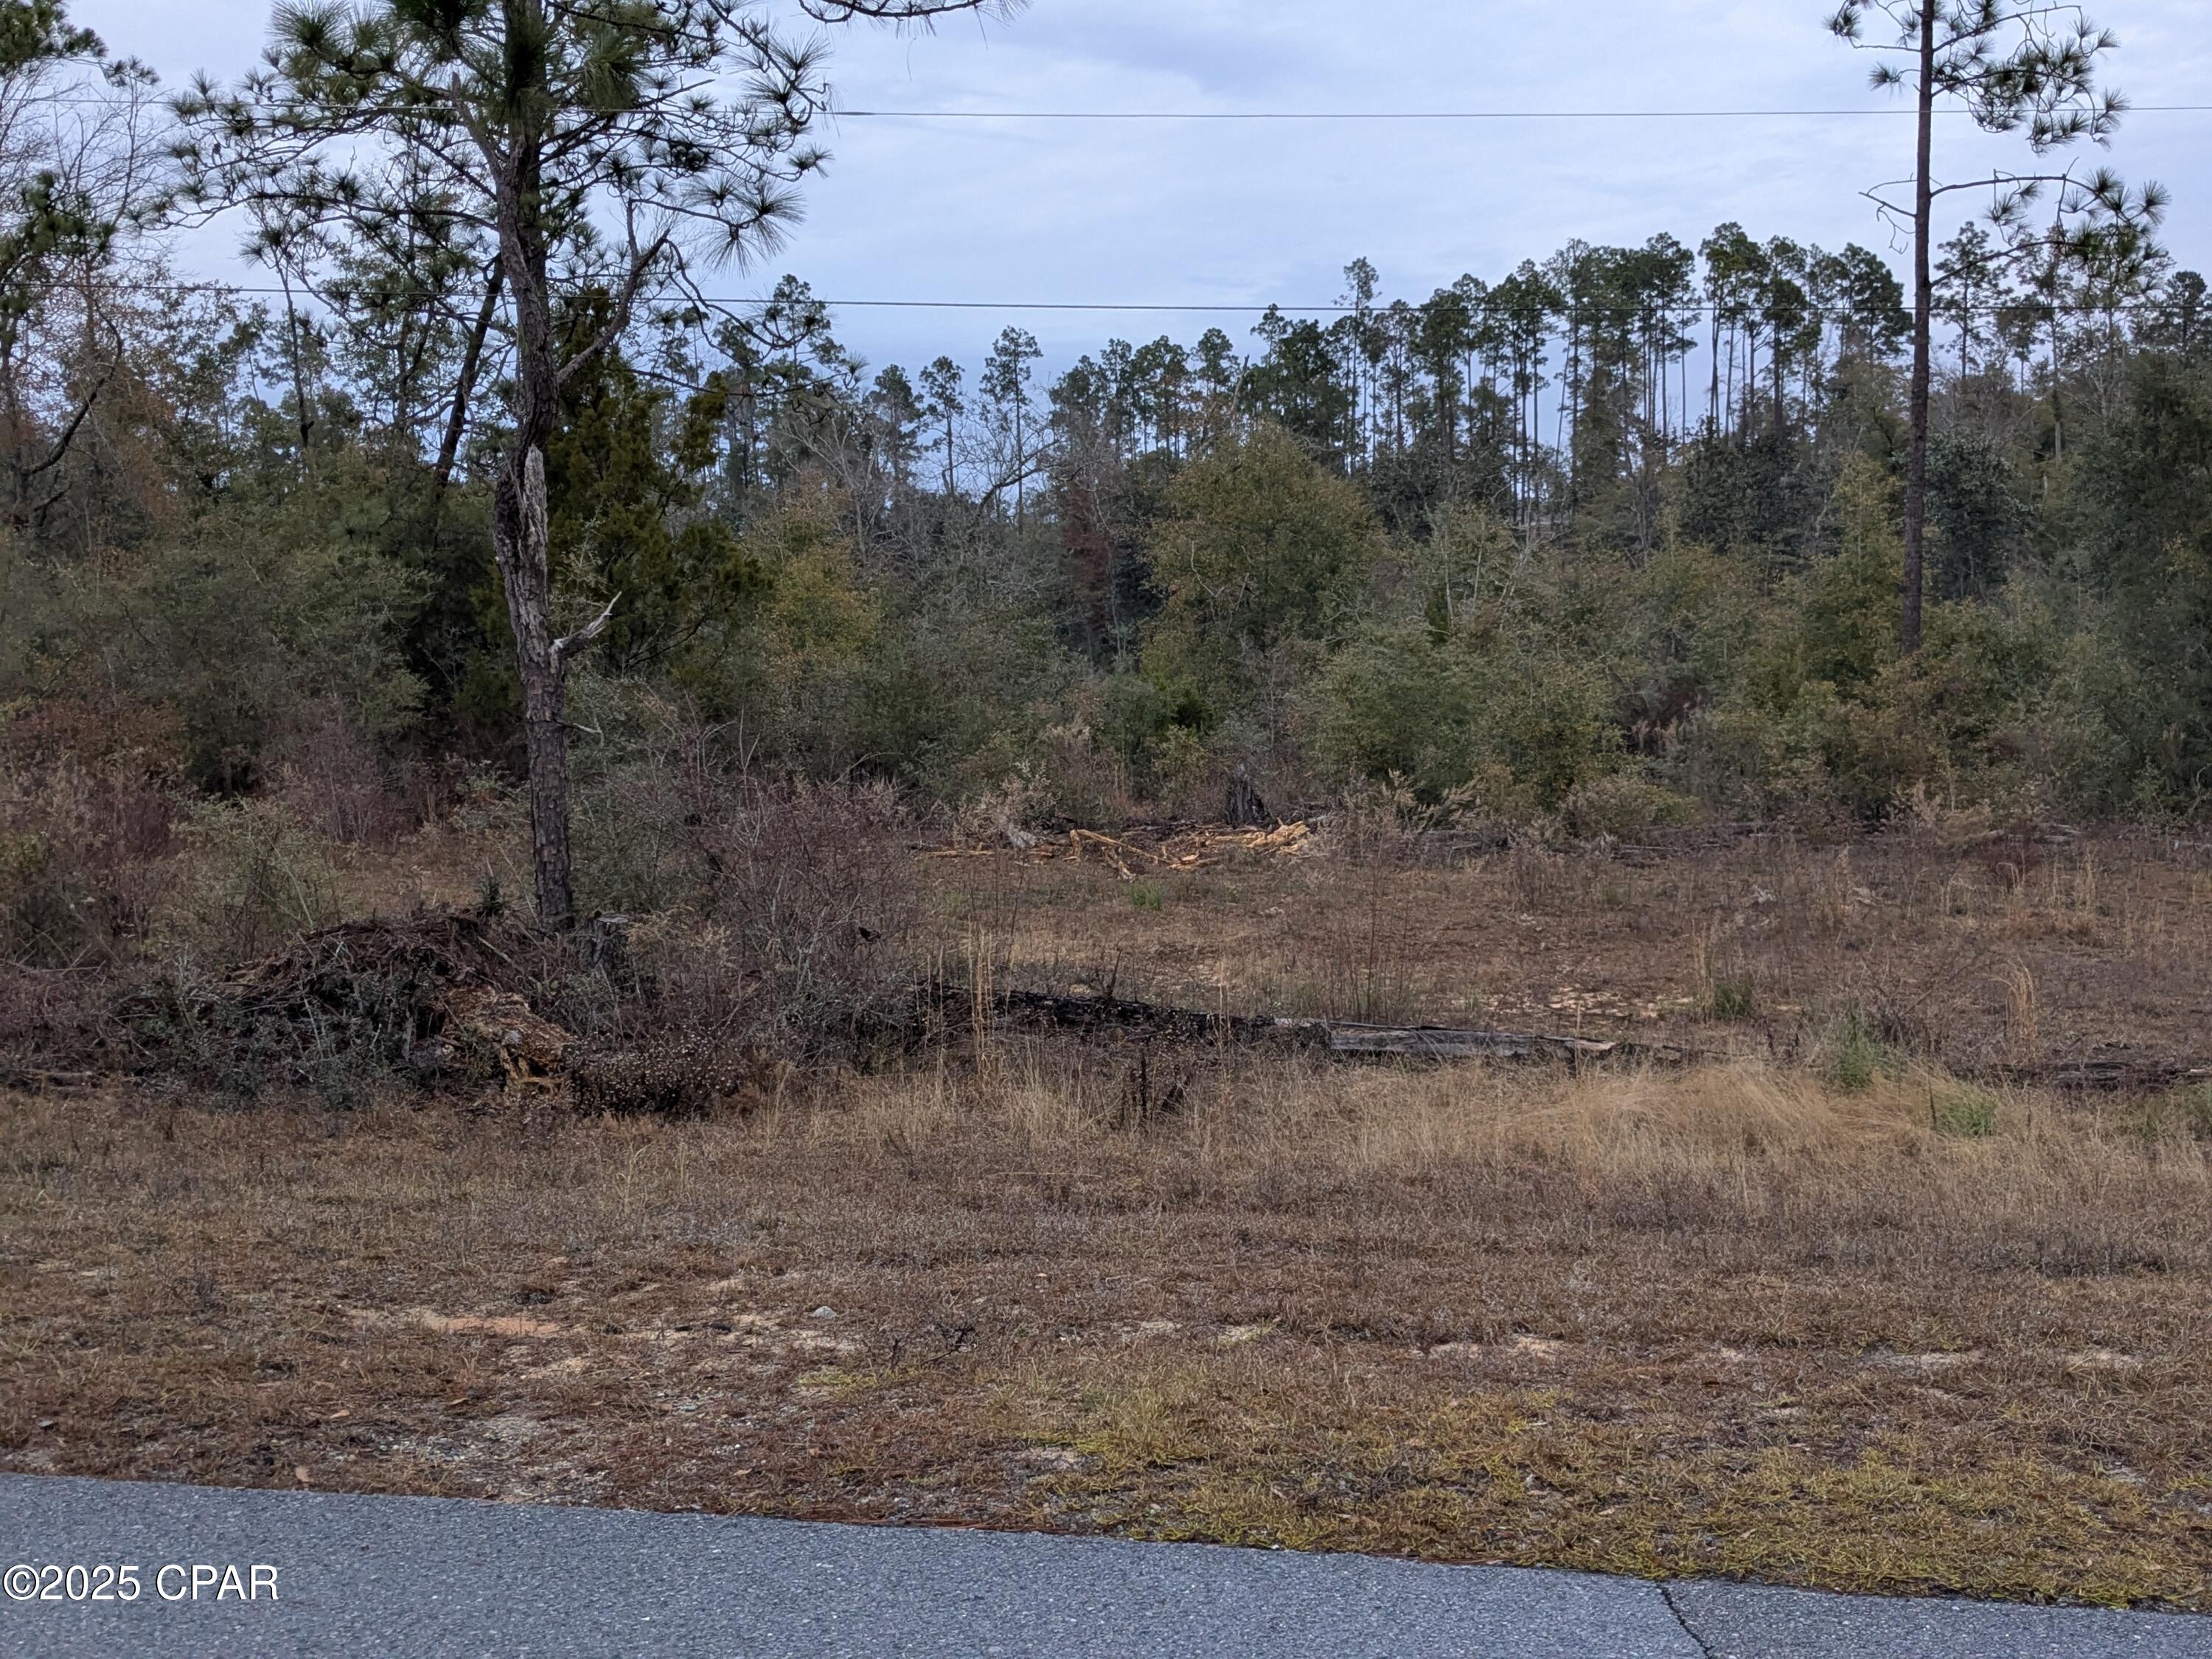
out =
column 1979, row 955
column 1738, row 1320
column 1822, row 1314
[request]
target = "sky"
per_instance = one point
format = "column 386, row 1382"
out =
column 1191, row 213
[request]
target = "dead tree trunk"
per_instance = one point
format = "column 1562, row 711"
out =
column 520, row 545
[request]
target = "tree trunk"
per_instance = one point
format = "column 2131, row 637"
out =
column 1915, row 452
column 2058, row 373
column 519, row 535
column 520, row 544
column 464, row 385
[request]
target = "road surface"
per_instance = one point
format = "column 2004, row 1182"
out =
column 401, row 1577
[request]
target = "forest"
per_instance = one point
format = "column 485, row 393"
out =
column 1611, row 541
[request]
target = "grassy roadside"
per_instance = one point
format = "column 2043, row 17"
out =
column 1734, row 1321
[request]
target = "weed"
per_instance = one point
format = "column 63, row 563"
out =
column 1147, row 895
column 2022, row 1019
column 1732, row 996
column 1860, row 1057
column 1723, row 994
column 1968, row 1113
column 2186, row 1111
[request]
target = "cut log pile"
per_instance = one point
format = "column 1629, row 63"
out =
column 1155, row 849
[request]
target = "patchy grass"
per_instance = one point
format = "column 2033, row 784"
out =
column 1736, row 1319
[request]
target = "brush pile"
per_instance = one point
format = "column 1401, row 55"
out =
column 436, row 995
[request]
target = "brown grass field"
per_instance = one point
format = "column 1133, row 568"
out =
column 1862, row 1301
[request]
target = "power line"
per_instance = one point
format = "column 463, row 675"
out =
column 75, row 100
column 1432, row 115
column 1655, row 312
column 1699, row 308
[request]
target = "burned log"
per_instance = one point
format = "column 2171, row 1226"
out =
column 1442, row 1043
column 1149, row 1022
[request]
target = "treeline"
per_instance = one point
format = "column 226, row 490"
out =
column 1607, row 539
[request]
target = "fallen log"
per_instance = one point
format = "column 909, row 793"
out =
column 34, row 1081
column 1350, row 1040
column 1146, row 1019
column 2101, row 1076
column 1442, row 1043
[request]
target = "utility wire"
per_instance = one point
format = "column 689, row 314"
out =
column 1431, row 115
column 91, row 100
column 1655, row 313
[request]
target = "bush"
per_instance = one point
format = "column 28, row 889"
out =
column 1747, row 759
column 333, row 782
column 1260, row 548
column 767, row 909
column 253, row 876
column 1622, row 807
column 244, row 637
column 804, row 936
column 81, row 854
column 1948, row 719
column 1533, row 723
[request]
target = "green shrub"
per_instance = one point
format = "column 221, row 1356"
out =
column 1396, row 701
column 1623, row 806
column 1260, row 547
column 1858, row 1056
column 1968, row 1113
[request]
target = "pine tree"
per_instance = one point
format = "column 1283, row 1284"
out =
column 579, row 148
column 2012, row 65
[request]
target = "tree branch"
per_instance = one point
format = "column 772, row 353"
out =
column 565, row 647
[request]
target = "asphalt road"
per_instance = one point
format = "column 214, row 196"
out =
column 411, row 1576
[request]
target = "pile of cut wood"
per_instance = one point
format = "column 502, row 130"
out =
column 1161, row 848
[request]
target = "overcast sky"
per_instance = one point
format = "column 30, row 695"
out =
column 1185, row 213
